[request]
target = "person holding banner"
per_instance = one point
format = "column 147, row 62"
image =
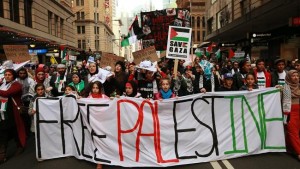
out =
column 290, row 106
column 165, row 92
column 11, row 123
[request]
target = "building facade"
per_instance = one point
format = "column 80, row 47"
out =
column 262, row 28
column 198, row 13
column 41, row 24
column 93, row 24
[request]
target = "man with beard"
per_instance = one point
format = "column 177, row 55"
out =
column 59, row 81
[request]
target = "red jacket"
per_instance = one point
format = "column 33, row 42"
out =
column 267, row 75
column 15, row 92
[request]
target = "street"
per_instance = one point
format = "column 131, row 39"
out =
column 27, row 160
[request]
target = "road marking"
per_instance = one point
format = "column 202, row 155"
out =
column 215, row 165
column 227, row 164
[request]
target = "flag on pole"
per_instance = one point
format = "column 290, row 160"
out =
column 230, row 53
column 134, row 34
column 218, row 54
column 128, row 41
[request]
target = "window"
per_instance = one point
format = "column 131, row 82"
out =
column 203, row 22
column 82, row 16
column 245, row 6
column 82, row 2
column 83, row 29
column 95, row 30
column 1, row 8
column 210, row 25
column 98, row 30
column 77, row 2
column 49, row 22
column 193, row 34
column 96, row 3
column 83, row 45
column 56, row 25
column 97, row 17
column 61, row 28
column 79, row 44
column 97, row 45
column 78, row 15
column 28, row 13
column 198, row 22
column 203, row 35
column 14, row 10
column 193, row 21
column 198, row 36
column 78, row 30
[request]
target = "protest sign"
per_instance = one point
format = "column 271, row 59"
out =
column 16, row 53
column 179, row 42
column 133, row 132
column 145, row 54
column 109, row 59
column 156, row 24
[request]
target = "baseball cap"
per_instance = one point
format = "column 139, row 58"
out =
column 228, row 76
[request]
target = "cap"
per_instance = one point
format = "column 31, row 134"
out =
column 61, row 66
column 279, row 60
column 228, row 76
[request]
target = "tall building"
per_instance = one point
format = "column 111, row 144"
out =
column 264, row 29
column 22, row 22
column 94, row 25
column 197, row 10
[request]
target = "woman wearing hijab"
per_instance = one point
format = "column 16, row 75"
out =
column 40, row 77
column 11, row 123
column 291, row 95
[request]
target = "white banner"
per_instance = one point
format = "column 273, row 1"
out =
column 138, row 133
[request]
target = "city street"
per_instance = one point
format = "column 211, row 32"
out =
column 27, row 160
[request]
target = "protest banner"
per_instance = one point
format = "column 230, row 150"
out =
column 16, row 53
column 145, row 54
column 134, row 132
column 179, row 43
column 156, row 24
column 109, row 59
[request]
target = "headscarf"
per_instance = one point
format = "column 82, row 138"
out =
column 134, row 88
column 295, row 91
column 39, row 69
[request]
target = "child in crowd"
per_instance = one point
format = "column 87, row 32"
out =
column 250, row 82
column 96, row 90
column 40, row 92
column 70, row 90
column 77, row 82
column 165, row 92
column 131, row 89
column 228, row 83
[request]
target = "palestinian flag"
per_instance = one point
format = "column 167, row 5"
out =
column 180, row 34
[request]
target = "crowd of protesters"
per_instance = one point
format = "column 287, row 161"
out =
column 146, row 80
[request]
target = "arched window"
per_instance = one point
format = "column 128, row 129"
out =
column 198, row 21
column 193, row 21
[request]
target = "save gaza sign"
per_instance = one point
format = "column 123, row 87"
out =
column 179, row 40
column 134, row 132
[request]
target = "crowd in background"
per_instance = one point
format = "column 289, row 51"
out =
column 146, row 80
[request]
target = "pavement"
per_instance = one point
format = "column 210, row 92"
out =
column 27, row 160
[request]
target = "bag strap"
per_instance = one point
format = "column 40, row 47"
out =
column 15, row 103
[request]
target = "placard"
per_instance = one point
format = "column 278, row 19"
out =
column 145, row 54
column 16, row 53
column 109, row 59
column 179, row 42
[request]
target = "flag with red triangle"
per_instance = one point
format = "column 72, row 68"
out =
column 230, row 53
